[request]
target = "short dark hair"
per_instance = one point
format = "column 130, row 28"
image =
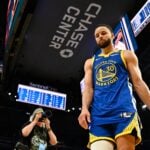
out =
column 105, row 25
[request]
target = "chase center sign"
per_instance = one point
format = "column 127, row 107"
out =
column 67, row 36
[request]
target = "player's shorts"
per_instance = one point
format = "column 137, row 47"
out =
column 130, row 125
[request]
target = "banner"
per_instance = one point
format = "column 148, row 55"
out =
column 60, row 36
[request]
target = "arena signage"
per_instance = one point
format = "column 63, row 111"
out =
column 141, row 19
column 72, row 28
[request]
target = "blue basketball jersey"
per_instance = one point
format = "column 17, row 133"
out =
column 113, row 97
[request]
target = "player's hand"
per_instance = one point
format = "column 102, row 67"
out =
column 84, row 118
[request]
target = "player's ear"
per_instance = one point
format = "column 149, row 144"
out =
column 112, row 35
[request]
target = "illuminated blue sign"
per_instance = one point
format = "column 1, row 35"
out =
column 36, row 96
column 141, row 19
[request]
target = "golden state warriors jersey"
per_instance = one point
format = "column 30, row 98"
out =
column 113, row 97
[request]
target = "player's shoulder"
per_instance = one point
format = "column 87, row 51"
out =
column 129, row 55
column 89, row 62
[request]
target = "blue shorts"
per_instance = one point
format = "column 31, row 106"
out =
column 114, row 130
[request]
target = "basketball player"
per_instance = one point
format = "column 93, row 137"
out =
column 112, row 120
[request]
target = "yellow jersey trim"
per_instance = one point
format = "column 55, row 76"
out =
column 128, row 130
column 122, row 57
column 94, row 138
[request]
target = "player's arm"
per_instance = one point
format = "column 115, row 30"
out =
column 87, row 94
column 139, row 85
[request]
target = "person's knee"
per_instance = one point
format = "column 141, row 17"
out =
column 103, row 144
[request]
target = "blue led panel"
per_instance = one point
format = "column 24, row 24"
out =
column 36, row 96
column 141, row 19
